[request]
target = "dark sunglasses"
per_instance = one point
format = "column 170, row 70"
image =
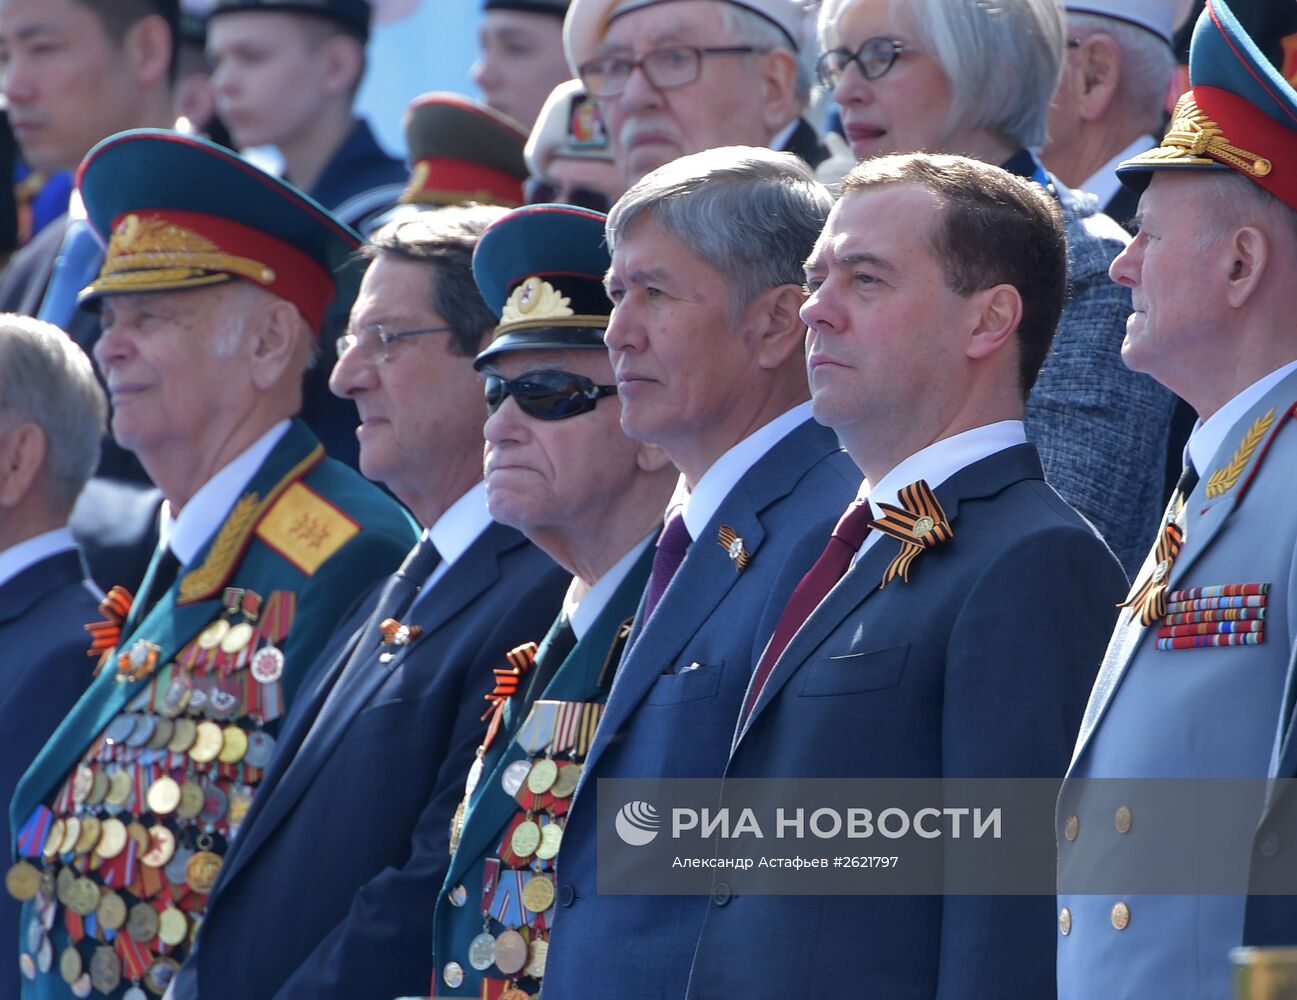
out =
column 543, row 191
column 546, row 395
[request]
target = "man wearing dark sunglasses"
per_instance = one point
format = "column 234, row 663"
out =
column 675, row 78
column 352, row 814
column 560, row 469
column 707, row 349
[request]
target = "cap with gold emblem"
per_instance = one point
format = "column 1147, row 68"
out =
column 462, row 151
column 1239, row 113
column 541, row 269
column 568, row 126
column 353, row 15
column 179, row 212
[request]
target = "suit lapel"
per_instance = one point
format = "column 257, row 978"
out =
column 466, row 580
column 21, row 592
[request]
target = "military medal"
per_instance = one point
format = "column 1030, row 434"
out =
column 207, row 743
column 536, row 962
column 142, row 730
column 565, row 783
column 453, row 975
column 210, row 637
column 215, row 802
column 514, row 775
column 542, row 775
column 538, row 894
column 183, row 738
column 98, row 790
column 175, row 868
column 176, row 696
column 201, row 871
column 71, row 831
column 112, row 839
column 525, row 839
column 45, row 956
column 22, row 881
column 267, row 665
column 191, row 800
column 162, row 845
column 53, row 841
column 510, row 952
column 91, row 828
column 70, row 966
column 83, row 780
column 111, row 911
column 163, row 796
column 481, row 952
column 172, row 926
column 162, row 733
column 238, row 636
column 82, row 988
column 234, row 744
column 261, row 746
column 120, row 789
column 121, row 727
column 160, row 973
column 551, row 838
column 83, row 897
column 142, row 923
column 240, row 801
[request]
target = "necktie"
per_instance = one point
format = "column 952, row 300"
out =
column 671, row 549
column 164, row 567
column 74, row 268
column 559, row 641
column 1188, row 480
column 832, row 565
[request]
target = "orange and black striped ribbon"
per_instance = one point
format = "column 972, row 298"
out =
column 1149, row 598
column 507, row 679
column 918, row 524
column 105, row 635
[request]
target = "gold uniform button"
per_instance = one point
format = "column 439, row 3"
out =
column 1071, row 828
column 1065, row 921
column 1122, row 819
column 1120, row 915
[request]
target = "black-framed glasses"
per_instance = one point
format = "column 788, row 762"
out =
column 667, row 67
column 543, row 191
column 375, row 341
column 546, row 395
column 873, row 58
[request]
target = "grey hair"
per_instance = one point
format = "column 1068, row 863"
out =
column 746, row 27
column 1237, row 201
column 1147, row 63
column 1003, row 58
column 47, row 380
column 753, row 214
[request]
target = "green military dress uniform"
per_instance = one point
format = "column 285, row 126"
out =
column 124, row 816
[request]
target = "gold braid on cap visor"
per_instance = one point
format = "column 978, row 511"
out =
column 1194, row 138
column 156, row 251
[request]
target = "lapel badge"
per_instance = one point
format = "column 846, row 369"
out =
column 396, row 634
column 733, row 546
column 139, row 661
column 1148, row 599
column 918, row 523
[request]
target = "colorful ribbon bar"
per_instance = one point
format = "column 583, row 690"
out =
column 1196, row 641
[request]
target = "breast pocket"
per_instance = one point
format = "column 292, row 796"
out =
column 691, row 684
column 852, row 673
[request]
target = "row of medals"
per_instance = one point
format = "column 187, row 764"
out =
column 536, row 845
column 196, row 730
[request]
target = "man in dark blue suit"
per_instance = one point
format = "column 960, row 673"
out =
column 52, row 415
column 706, row 344
column 954, row 622
column 330, row 887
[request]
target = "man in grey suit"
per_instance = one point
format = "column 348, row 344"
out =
column 1198, row 679
column 706, row 346
column 52, row 415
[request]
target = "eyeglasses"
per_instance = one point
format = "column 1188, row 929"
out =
column 874, row 58
column 375, row 342
column 543, row 191
column 672, row 66
column 546, row 395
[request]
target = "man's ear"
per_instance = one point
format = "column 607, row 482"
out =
column 779, row 101
column 344, row 61
column 1250, row 250
column 148, row 46
column 997, row 311
column 777, row 329
column 1100, row 68
column 22, row 456
column 275, row 344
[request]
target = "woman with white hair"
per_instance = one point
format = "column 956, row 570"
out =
column 976, row 78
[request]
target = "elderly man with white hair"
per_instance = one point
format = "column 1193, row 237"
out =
column 1111, row 97
column 674, row 77
column 976, row 79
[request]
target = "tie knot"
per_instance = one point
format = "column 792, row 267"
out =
column 421, row 561
column 675, row 538
column 853, row 525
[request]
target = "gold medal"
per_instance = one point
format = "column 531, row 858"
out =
column 163, row 796
column 70, row 966
column 551, row 838
column 525, row 839
column 22, row 881
column 63, row 883
column 162, row 734
column 90, row 830
column 234, row 744
column 82, row 781
column 539, row 951
column 172, row 926
column 201, row 871
column 162, row 845
column 183, row 738
column 236, row 638
column 160, row 973
column 71, row 831
column 538, row 894
column 137, row 832
column 207, row 743
column 192, row 799
column 119, row 788
column 111, row 911
column 210, row 637
column 53, row 840
column 565, row 783
column 99, row 789
column 105, row 969
column 112, row 839
column 240, row 803
column 142, row 924
column 83, row 896
column 510, row 952
column 541, row 776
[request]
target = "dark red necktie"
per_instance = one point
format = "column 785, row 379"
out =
column 832, row 566
column 672, row 546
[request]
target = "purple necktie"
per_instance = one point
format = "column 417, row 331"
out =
column 672, row 546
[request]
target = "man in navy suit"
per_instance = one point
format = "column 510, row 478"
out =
column 706, row 345
column 52, row 415
column 954, row 622
column 330, row 886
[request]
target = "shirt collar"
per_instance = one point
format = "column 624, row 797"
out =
column 701, row 504
column 1208, row 436
column 30, row 551
column 1104, row 183
column 942, row 459
column 187, row 532
column 582, row 612
column 459, row 527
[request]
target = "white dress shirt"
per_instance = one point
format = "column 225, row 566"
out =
column 1104, row 183
column 1207, row 437
column 581, row 612
column 30, row 551
column 452, row 533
